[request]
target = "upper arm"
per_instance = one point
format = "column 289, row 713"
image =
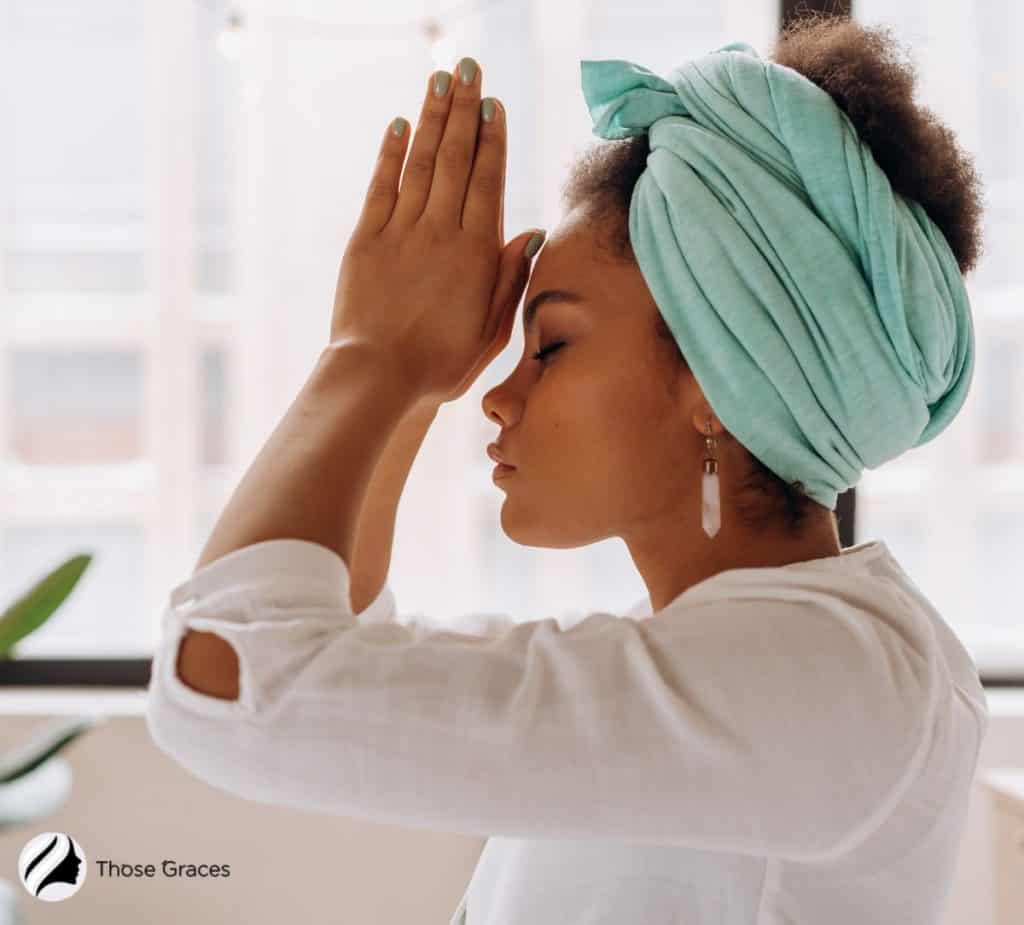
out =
column 756, row 726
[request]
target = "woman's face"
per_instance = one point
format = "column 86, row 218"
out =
column 601, row 430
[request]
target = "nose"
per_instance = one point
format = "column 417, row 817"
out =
column 497, row 404
column 503, row 403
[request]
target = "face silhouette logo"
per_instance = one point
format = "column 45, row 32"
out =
column 52, row 866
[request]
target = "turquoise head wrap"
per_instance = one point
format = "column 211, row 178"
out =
column 824, row 316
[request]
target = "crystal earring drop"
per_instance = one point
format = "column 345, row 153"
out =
column 710, row 508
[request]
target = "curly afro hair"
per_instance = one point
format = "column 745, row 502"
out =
column 860, row 68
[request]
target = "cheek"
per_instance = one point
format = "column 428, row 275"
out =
column 645, row 442
column 586, row 403
column 574, row 418
column 634, row 408
column 612, row 423
column 612, row 420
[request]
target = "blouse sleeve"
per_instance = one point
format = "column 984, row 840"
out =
column 762, row 726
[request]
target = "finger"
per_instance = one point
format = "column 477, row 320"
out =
column 455, row 153
column 483, row 207
column 383, row 189
column 501, row 318
column 504, row 171
column 419, row 168
column 513, row 275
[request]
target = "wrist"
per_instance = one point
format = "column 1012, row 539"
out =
column 340, row 358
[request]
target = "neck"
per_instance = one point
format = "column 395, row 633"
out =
column 656, row 552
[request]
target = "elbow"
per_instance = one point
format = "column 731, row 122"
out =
column 208, row 663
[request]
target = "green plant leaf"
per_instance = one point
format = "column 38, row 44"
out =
column 33, row 609
column 42, row 746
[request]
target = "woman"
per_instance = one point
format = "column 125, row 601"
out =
column 784, row 730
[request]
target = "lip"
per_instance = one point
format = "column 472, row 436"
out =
column 501, row 470
column 492, row 451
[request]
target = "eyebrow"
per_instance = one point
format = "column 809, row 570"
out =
column 548, row 295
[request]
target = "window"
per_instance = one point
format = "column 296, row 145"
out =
column 951, row 510
column 177, row 213
column 114, row 310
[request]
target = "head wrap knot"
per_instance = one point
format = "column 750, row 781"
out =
column 824, row 316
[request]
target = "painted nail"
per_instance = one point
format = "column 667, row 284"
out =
column 487, row 109
column 398, row 125
column 533, row 245
column 467, row 70
column 441, row 81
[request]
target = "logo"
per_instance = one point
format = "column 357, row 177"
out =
column 52, row 866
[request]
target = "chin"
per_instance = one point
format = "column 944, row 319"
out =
column 542, row 532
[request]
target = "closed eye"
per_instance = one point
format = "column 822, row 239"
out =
column 549, row 348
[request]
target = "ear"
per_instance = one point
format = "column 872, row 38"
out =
column 701, row 418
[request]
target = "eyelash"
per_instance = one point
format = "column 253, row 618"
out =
column 541, row 354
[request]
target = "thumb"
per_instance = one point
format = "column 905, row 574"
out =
column 513, row 275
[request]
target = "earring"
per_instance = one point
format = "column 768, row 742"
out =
column 710, row 507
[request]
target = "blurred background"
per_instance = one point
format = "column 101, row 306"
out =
column 178, row 180
column 177, row 183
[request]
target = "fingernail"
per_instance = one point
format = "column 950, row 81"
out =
column 487, row 110
column 441, row 81
column 467, row 70
column 533, row 245
column 398, row 126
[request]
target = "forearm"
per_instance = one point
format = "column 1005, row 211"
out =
column 208, row 663
column 309, row 480
column 371, row 556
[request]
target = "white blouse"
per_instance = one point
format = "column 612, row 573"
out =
column 791, row 744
